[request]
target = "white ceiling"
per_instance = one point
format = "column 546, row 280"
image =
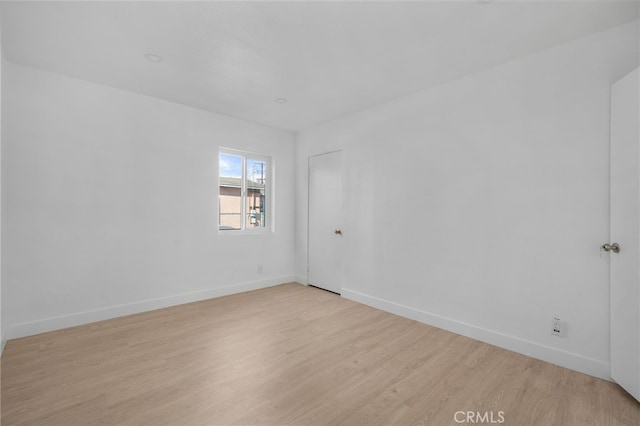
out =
column 326, row 58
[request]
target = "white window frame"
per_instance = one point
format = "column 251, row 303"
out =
column 268, row 191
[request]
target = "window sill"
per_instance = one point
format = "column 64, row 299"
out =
column 245, row 232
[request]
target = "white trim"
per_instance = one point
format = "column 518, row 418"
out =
column 56, row 323
column 555, row 356
column 300, row 279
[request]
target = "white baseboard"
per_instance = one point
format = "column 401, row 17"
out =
column 31, row 328
column 301, row 279
column 555, row 356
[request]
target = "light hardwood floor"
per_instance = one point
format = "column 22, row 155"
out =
column 288, row 355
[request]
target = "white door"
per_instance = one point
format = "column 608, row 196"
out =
column 625, row 232
column 325, row 217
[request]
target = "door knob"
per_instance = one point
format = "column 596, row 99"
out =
column 615, row 247
column 337, row 232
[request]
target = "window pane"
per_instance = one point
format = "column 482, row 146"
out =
column 230, row 202
column 255, row 199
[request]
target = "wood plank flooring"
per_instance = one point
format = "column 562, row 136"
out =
column 288, row 355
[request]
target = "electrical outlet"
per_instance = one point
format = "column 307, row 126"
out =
column 556, row 327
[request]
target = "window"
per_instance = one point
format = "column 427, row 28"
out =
column 244, row 190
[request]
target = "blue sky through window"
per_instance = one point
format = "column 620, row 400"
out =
column 230, row 165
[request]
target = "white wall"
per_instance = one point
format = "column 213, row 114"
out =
column 479, row 206
column 110, row 203
column 2, row 337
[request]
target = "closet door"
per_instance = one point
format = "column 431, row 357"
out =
column 624, row 244
column 325, row 218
